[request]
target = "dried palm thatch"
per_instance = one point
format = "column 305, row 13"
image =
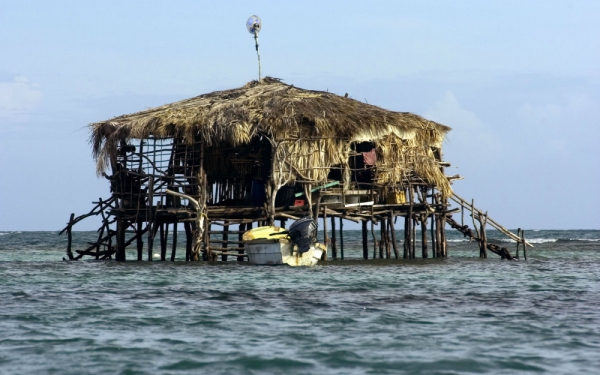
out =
column 311, row 130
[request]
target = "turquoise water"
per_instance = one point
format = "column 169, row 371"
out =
column 450, row 316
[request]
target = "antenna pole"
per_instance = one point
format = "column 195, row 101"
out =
column 257, row 53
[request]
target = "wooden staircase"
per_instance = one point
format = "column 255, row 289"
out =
column 480, row 235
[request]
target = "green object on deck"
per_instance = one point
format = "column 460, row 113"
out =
column 329, row 184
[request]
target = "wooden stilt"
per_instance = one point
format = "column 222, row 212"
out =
column 388, row 241
column 341, row 238
column 99, row 241
column 374, row 239
column 414, row 239
column 150, row 216
column 225, row 239
column 393, row 232
column 174, row 245
column 325, row 234
column 433, row 228
column 406, row 253
column 120, row 256
column 424, row 252
column 188, row 240
column 432, row 224
column 207, row 248
column 333, row 241
column 163, row 242
column 524, row 244
column 482, row 236
column 411, row 239
column 365, row 241
column 140, row 241
column 518, row 242
column 382, row 227
column 443, row 224
column 317, row 208
column 438, row 236
column 70, row 237
column 242, row 229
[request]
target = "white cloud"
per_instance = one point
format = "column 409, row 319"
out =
column 448, row 111
column 469, row 137
column 17, row 99
column 555, row 113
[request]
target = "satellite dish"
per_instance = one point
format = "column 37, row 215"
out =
column 253, row 24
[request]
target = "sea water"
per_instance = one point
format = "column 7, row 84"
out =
column 457, row 315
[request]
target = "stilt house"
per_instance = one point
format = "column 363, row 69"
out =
column 263, row 153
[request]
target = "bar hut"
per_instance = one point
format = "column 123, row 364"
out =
column 220, row 163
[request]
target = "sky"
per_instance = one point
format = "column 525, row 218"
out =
column 518, row 82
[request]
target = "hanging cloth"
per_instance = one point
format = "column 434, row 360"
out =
column 370, row 157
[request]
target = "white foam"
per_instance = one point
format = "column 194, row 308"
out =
column 530, row 240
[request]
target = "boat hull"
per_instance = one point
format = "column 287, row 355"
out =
column 281, row 251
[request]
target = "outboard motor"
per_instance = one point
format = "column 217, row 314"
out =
column 303, row 233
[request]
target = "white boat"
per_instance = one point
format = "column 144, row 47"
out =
column 281, row 251
column 273, row 245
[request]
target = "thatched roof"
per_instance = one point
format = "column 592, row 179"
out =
column 267, row 107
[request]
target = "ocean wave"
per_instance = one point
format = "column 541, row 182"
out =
column 530, row 240
column 550, row 240
column 578, row 240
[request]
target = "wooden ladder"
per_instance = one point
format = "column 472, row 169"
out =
column 478, row 214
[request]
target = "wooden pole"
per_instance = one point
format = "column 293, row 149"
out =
column 104, row 224
column 424, row 251
column 406, row 239
column 225, row 239
column 341, row 238
column 414, row 239
column 140, row 241
column 188, row 240
column 174, row 245
column 374, row 238
column 269, row 202
column 325, row 234
column 438, row 237
column 365, row 241
column 433, row 232
column 207, row 249
column 333, row 241
column 482, row 236
column 120, row 256
column 388, row 250
column 524, row 243
column 444, row 239
column 150, row 216
column 393, row 232
column 163, row 241
column 411, row 197
column 382, row 227
column 518, row 242
column 318, row 207
column 241, row 229
column 70, row 237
